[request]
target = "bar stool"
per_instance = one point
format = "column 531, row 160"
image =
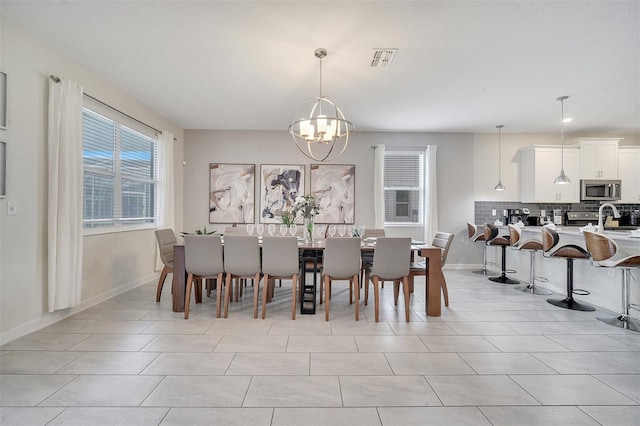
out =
column 604, row 250
column 532, row 246
column 493, row 239
column 550, row 240
column 476, row 236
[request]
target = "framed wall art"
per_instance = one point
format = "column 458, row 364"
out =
column 3, row 169
column 231, row 193
column 334, row 187
column 279, row 187
column 3, row 100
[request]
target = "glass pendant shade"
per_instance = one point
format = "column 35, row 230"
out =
column 562, row 178
column 499, row 186
column 318, row 126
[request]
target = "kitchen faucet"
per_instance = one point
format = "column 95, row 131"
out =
column 616, row 214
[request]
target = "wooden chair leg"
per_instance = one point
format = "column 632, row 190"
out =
column 356, row 285
column 199, row 290
column 396, row 291
column 163, row 277
column 265, row 292
column 219, row 295
column 407, row 295
column 187, row 299
column 256, row 290
column 446, row 293
column 228, row 286
column 350, row 292
column 376, row 298
column 294, row 287
column 327, row 287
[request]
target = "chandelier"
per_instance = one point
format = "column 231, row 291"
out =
column 322, row 133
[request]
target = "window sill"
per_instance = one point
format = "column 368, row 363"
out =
column 117, row 229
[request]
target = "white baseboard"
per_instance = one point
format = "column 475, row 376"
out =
column 50, row 318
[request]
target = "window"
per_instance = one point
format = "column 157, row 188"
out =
column 403, row 187
column 120, row 174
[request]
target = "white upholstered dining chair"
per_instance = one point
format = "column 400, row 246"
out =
column 279, row 261
column 391, row 260
column 341, row 262
column 203, row 260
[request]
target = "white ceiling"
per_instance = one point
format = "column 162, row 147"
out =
column 462, row 66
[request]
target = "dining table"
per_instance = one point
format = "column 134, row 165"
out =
column 310, row 252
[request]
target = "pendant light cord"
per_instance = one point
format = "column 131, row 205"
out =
column 561, row 99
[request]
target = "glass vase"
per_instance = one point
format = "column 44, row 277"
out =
column 308, row 229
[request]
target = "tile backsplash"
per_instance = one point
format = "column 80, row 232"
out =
column 483, row 209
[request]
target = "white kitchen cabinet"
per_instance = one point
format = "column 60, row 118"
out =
column 540, row 165
column 598, row 157
column 629, row 174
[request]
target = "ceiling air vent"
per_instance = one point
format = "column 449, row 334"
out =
column 382, row 58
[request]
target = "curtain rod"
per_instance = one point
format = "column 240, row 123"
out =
column 57, row 80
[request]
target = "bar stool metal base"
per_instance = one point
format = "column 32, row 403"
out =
column 484, row 270
column 503, row 279
column 571, row 303
column 533, row 289
column 622, row 321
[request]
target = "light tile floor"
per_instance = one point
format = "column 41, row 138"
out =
column 495, row 357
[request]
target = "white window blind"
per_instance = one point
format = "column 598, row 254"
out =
column 120, row 174
column 403, row 187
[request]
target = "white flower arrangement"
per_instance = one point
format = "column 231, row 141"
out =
column 306, row 206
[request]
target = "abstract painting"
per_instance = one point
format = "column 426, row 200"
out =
column 334, row 187
column 231, row 193
column 279, row 187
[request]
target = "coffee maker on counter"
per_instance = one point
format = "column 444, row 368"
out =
column 514, row 216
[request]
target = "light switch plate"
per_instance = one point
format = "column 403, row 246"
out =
column 12, row 208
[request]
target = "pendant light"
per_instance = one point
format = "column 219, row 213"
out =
column 322, row 133
column 499, row 186
column 562, row 178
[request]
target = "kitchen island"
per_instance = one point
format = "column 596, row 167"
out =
column 604, row 284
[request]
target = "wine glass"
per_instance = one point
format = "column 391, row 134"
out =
column 351, row 230
column 320, row 230
column 249, row 228
column 341, row 230
column 272, row 229
column 361, row 230
column 260, row 229
column 283, row 229
column 293, row 229
column 332, row 230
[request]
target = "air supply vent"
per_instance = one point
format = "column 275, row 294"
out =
column 382, row 57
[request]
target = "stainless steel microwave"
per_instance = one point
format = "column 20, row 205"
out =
column 600, row 190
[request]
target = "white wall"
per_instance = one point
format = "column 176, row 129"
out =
column 455, row 200
column 112, row 262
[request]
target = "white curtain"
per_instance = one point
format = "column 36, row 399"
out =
column 65, row 194
column 378, row 187
column 431, row 195
column 166, row 203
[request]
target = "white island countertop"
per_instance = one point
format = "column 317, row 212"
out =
column 575, row 231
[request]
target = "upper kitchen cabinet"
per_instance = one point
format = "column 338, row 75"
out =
column 540, row 165
column 598, row 157
column 629, row 174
